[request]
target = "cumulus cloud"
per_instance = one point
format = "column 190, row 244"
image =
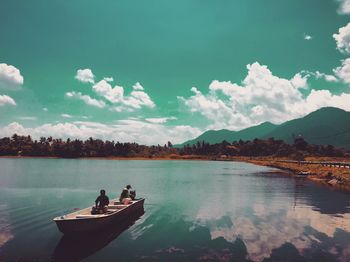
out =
column 30, row 118
column 119, row 101
column 10, row 76
column 123, row 131
column 137, row 99
column 343, row 71
column 137, row 86
column 322, row 98
column 328, row 78
column 86, row 99
column 344, row 7
column 109, row 79
column 85, row 76
column 160, row 120
column 299, row 81
column 6, row 100
column 307, row 37
column 104, row 89
column 260, row 97
column 66, row 115
column 342, row 39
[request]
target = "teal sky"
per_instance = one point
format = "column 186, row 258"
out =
column 169, row 47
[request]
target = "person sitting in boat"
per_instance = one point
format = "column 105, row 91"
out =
column 101, row 203
column 132, row 194
column 125, row 195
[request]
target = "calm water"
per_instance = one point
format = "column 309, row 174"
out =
column 194, row 211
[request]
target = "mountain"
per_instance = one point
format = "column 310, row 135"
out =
column 325, row 126
column 217, row 136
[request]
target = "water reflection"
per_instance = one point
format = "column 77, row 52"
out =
column 196, row 211
column 304, row 221
column 78, row 247
column 5, row 227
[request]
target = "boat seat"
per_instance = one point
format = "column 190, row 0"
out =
column 87, row 216
column 116, row 206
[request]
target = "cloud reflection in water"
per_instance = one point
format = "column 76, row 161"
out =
column 267, row 227
column 5, row 228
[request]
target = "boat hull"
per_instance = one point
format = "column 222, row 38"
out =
column 71, row 226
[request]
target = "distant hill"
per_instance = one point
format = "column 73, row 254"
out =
column 217, row 136
column 327, row 125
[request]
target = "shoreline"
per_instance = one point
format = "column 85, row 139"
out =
column 334, row 177
column 185, row 157
column 339, row 178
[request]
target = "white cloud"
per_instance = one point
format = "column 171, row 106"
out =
column 135, row 100
column 307, row 37
column 108, row 79
column 299, row 81
column 344, row 7
column 123, row 131
column 66, row 115
column 343, row 71
column 160, row 120
column 45, row 109
column 322, row 98
column 328, row 78
column 6, row 100
column 138, row 99
column 85, row 76
column 104, row 89
column 137, row 86
column 120, row 101
column 342, row 39
column 30, row 118
column 261, row 97
column 86, row 99
column 10, row 76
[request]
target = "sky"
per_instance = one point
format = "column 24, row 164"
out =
column 158, row 70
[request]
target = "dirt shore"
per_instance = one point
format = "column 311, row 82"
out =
column 338, row 177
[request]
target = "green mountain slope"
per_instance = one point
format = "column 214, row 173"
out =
column 325, row 126
column 217, row 136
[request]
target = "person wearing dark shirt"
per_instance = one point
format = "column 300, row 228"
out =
column 102, row 200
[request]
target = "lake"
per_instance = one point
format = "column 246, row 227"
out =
column 194, row 211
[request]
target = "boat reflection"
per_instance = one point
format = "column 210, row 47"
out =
column 78, row 247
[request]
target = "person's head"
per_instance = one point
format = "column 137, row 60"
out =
column 128, row 186
column 102, row 192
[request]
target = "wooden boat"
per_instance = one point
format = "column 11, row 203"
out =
column 83, row 221
column 67, row 248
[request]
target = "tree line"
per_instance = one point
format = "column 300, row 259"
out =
column 50, row 147
column 259, row 147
